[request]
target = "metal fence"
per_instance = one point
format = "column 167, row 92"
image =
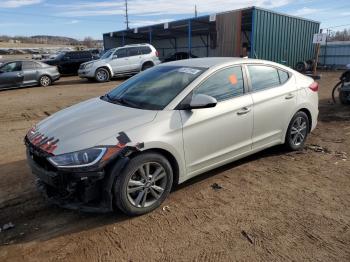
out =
column 335, row 54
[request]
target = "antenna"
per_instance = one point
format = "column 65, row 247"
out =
column 195, row 10
column 126, row 15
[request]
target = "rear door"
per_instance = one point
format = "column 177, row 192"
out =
column 134, row 59
column 11, row 75
column 274, row 95
column 216, row 135
column 30, row 72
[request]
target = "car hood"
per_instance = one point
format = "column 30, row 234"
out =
column 88, row 123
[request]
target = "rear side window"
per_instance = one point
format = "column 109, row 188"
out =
column 263, row 77
column 132, row 51
column 27, row 65
column 284, row 76
column 223, row 85
column 145, row 50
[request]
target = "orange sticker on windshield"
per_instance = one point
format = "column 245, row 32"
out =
column 233, row 79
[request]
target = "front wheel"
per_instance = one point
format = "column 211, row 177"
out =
column 45, row 81
column 144, row 184
column 102, row 75
column 297, row 132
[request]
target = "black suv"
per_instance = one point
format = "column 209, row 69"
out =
column 69, row 62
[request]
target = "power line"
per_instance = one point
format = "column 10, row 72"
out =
column 337, row 26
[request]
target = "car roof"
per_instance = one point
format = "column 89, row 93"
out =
column 209, row 62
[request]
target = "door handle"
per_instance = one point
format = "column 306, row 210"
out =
column 289, row 96
column 19, row 74
column 243, row 111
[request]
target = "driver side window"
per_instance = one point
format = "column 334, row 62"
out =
column 120, row 53
column 12, row 67
column 224, row 84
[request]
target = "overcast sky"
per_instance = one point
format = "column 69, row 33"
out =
column 92, row 18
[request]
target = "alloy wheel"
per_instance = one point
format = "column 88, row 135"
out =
column 45, row 81
column 298, row 131
column 146, row 185
column 102, row 75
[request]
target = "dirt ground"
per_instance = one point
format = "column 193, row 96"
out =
column 273, row 206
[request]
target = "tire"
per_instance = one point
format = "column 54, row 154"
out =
column 300, row 67
column 45, row 81
column 335, row 88
column 146, row 66
column 297, row 132
column 136, row 197
column 102, row 75
column 344, row 97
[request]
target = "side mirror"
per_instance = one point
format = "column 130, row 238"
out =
column 114, row 57
column 200, row 101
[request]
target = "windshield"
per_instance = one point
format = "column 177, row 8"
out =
column 155, row 88
column 107, row 54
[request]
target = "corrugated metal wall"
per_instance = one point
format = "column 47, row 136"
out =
column 280, row 38
column 335, row 55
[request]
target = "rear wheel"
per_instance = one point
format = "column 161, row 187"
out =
column 344, row 97
column 45, row 81
column 297, row 132
column 147, row 65
column 102, row 75
column 144, row 184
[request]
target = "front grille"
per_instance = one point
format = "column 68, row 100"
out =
column 39, row 156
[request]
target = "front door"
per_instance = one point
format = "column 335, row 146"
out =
column 213, row 136
column 11, row 75
column 120, row 61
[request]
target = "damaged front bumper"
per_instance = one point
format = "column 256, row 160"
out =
column 88, row 191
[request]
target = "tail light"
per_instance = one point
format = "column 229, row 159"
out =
column 314, row 86
column 157, row 53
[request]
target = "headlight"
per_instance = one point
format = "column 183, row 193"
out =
column 88, row 66
column 84, row 158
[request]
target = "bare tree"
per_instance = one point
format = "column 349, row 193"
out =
column 343, row 35
column 89, row 42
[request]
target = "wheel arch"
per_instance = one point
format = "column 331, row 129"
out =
column 107, row 68
column 147, row 62
column 169, row 156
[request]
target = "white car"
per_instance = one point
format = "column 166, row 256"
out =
column 127, row 148
column 126, row 60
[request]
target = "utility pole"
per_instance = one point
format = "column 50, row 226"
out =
column 126, row 15
column 195, row 11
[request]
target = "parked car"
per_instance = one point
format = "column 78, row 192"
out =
column 69, row 62
column 126, row 60
column 27, row 73
column 178, row 56
column 166, row 125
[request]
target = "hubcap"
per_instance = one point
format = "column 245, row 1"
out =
column 298, row 131
column 147, row 184
column 45, row 81
column 101, row 75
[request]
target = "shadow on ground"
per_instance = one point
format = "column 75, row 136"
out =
column 35, row 220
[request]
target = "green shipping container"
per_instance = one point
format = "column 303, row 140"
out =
column 282, row 38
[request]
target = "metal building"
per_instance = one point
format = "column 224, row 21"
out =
column 253, row 31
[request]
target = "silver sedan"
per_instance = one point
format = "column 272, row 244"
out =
column 166, row 125
column 27, row 73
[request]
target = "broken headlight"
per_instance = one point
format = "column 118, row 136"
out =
column 83, row 158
